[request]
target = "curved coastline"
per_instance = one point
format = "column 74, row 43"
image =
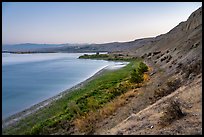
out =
column 13, row 119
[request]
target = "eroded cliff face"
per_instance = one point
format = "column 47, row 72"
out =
column 181, row 45
column 194, row 20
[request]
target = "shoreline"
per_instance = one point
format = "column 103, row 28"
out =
column 15, row 118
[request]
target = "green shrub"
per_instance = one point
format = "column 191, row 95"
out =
column 92, row 103
column 73, row 108
column 36, row 129
column 136, row 76
column 120, row 89
column 142, row 67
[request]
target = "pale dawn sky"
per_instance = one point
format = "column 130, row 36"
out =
column 89, row 22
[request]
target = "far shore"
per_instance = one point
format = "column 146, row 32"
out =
column 15, row 118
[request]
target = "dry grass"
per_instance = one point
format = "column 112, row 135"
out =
column 171, row 86
column 173, row 112
column 150, row 69
column 146, row 77
column 87, row 123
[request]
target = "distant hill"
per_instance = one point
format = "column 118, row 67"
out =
column 25, row 47
column 73, row 48
column 175, row 37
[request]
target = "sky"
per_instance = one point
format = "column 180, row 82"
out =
column 89, row 22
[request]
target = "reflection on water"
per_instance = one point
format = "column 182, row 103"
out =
column 117, row 65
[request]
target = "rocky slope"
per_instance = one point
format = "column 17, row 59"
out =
column 147, row 120
column 183, row 41
column 170, row 102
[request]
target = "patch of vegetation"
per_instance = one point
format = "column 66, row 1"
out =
column 192, row 69
column 137, row 74
column 173, row 112
column 172, row 85
column 87, row 123
column 94, row 56
column 93, row 96
column 114, row 57
column 142, row 67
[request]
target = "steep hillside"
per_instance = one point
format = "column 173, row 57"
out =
column 183, row 41
column 147, row 121
column 170, row 102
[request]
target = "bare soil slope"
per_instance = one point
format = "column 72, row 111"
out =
column 176, row 76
